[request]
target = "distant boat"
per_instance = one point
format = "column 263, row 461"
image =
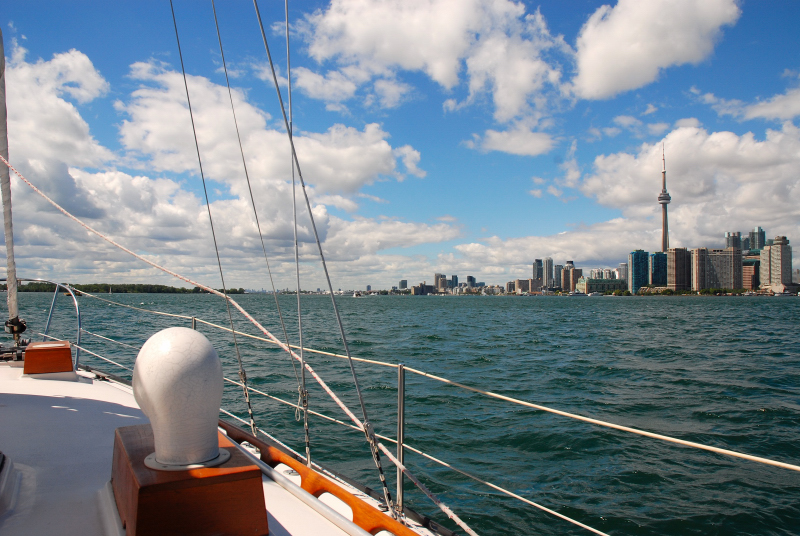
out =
column 357, row 294
column 576, row 293
column 595, row 294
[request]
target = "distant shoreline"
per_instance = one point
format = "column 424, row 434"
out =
column 125, row 288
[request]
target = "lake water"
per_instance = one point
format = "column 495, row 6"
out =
column 723, row 371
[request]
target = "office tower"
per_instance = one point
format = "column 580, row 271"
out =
column 538, row 269
column 663, row 200
column 724, row 268
column 558, row 269
column 470, row 281
column 622, row 271
column 733, row 240
column 699, row 268
column 510, row 287
column 638, row 268
column 679, row 269
column 547, row 271
column 403, row 284
column 746, row 243
column 776, row 263
column 657, row 269
column 758, row 238
column 369, row 288
column 454, row 281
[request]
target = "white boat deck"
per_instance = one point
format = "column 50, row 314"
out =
column 57, row 437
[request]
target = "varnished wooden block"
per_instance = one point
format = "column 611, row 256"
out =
column 227, row 499
column 45, row 357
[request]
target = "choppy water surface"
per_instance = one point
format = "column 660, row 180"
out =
column 720, row 371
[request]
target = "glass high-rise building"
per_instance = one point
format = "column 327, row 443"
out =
column 657, row 269
column 758, row 238
column 547, row 270
column 638, row 270
column 733, row 240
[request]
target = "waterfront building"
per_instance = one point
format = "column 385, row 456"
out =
column 608, row 273
column 751, row 267
column 423, row 289
column 569, row 277
column 369, row 288
column 663, row 200
column 776, row 263
column 758, row 238
column 622, row 271
column 440, row 281
column 522, row 285
column 558, row 269
column 547, row 271
column 699, row 268
column 679, row 269
column 733, row 240
column 638, row 268
column 403, row 284
column 724, row 268
column 657, row 269
column 471, row 282
column 538, row 269
column 587, row 285
column 454, row 282
column 511, row 287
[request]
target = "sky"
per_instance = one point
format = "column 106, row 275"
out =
column 465, row 137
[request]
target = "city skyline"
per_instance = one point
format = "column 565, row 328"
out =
column 470, row 144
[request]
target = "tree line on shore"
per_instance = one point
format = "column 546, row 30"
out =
column 121, row 288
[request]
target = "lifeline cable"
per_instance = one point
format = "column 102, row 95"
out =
column 242, row 373
column 368, row 431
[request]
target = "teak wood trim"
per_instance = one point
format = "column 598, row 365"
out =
column 47, row 357
column 226, row 499
column 365, row 516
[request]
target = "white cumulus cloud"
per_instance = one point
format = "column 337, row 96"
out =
column 626, row 46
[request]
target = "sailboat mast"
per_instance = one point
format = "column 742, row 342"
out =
column 13, row 324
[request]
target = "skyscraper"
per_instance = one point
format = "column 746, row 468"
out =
column 657, row 269
column 637, row 270
column 724, row 268
column 679, row 269
column 538, row 269
column 403, row 284
column 776, row 263
column 622, row 271
column 699, row 268
column 758, row 238
column 547, row 270
column 663, row 200
column 557, row 271
column 733, row 240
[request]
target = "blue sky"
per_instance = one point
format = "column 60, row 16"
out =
column 459, row 136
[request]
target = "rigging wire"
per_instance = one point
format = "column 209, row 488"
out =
column 242, row 373
column 368, row 430
column 303, row 394
column 250, row 189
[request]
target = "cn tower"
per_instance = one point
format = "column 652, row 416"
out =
column 663, row 200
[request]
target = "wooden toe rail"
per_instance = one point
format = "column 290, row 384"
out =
column 365, row 515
